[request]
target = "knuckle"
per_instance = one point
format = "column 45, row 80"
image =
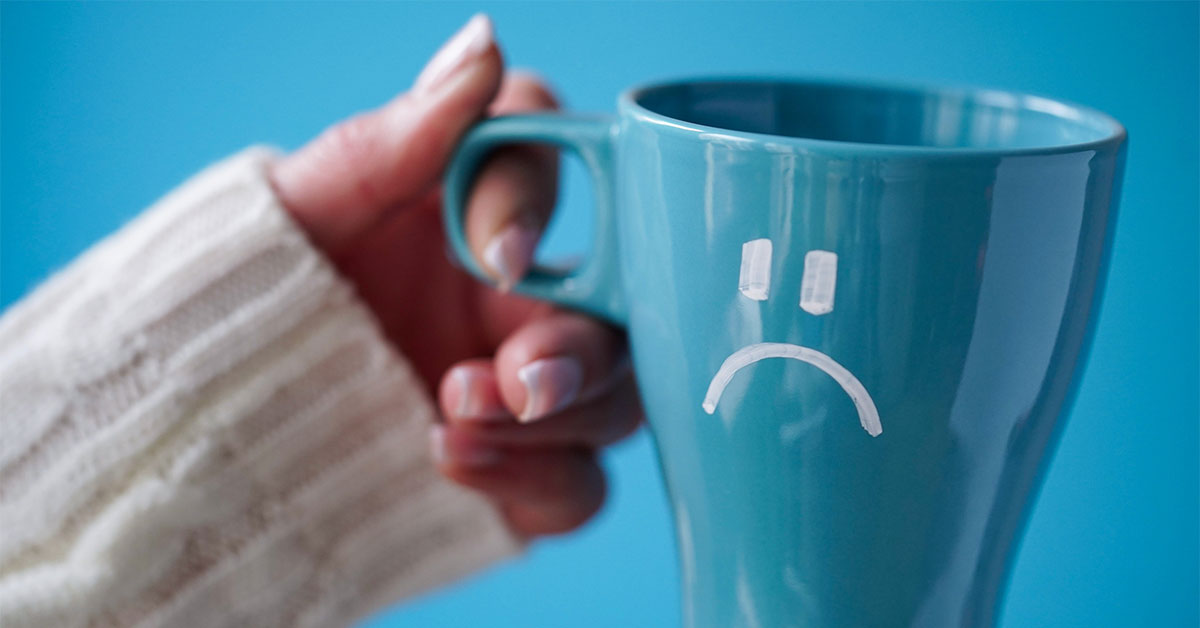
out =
column 560, row 481
column 629, row 423
column 576, row 518
column 540, row 93
column 352, row 141
column 349, row 149
column 624, row 414
column 530, row 90
column 579, row 499
column 618, row 427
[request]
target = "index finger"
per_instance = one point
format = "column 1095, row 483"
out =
column 515, row 191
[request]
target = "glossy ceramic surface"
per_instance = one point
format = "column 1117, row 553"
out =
column 879, row 472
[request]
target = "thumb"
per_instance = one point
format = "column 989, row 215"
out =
column 338, row 185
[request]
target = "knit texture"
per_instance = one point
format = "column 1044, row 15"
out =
column 201, row 425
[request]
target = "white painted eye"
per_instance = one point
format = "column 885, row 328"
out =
column 754, row 280
column 819, row 283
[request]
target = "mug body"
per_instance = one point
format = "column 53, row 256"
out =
column 855, row 314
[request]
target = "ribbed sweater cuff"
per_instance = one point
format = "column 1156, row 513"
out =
column 201, row 425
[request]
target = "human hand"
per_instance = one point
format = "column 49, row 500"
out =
column 528, row 392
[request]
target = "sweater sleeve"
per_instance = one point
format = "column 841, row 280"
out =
column 201, row 425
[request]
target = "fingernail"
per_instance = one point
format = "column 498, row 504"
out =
column 475, row 404
column 467, row 454
column 467, row 44
column 551, row 384
column 510, row 252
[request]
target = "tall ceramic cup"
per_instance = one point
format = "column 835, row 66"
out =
column 857, row 314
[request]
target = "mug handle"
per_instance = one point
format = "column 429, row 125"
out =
column 594, row 287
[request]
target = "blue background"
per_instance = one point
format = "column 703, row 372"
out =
column 105, row 107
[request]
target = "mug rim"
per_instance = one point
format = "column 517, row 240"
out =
column 1061, row 109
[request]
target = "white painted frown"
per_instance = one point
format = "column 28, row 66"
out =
column 817, row 288
column 754, row 279
column 868, row 414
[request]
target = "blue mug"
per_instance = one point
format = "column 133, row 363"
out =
column 857, row 315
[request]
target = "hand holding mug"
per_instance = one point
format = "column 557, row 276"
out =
column 528, row 392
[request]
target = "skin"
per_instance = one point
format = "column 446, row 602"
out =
column 367, row 193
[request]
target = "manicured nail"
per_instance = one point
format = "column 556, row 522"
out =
column 510, row 252
column 466, row 45
column 474, row 402
column 551, row 384
column 467, row 454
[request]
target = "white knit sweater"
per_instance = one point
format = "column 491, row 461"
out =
column 201, row 425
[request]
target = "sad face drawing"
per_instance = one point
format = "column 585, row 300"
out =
column 817, row 289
